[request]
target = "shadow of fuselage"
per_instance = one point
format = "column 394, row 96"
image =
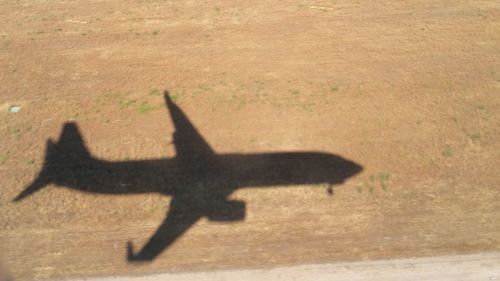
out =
column 198, row 179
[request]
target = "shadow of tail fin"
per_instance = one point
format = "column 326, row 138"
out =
column 69, row 151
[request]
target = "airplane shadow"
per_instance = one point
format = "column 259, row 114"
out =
column 198, row 179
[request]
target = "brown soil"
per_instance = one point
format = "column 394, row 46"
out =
column 408, row 89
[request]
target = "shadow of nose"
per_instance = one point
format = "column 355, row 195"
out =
column 353, row 169
column 341, row 169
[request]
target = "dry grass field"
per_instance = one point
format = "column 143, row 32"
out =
column 409, row 90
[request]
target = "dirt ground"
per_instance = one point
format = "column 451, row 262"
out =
column 410, row 90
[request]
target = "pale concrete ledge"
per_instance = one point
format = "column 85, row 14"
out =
column 476, row 267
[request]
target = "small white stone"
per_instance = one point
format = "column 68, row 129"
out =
column 14, row 108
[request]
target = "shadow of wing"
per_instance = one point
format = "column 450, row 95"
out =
column 180, row 217
column 189, row 144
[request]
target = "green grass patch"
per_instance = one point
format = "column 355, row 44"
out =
column 174, row 97
column 384, row 180
column 375, row 181
column 144, row 107
column 72, row 116
column 124, row 103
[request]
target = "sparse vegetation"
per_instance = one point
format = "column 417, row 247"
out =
column 124, row 103
column 204, row 87
column 370, row 184
column 473, row 136
column 260, row 85
column 144, row 107
column 447, row 151
column 15, row 132
column 3, row 159
column 378, row 180
column 155, row 92
column 72, row 116
column 334, row 88
column 242, row 103
column 174, row 97
column 384, row 180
